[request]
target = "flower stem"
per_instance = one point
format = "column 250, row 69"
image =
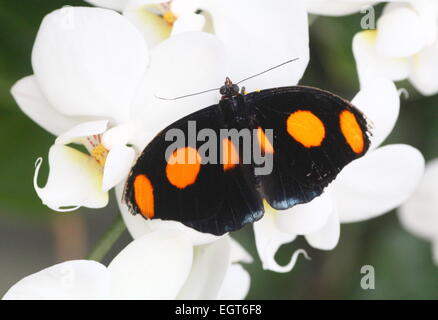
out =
column 108, row 239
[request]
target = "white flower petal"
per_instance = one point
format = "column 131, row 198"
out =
column 428, row 13
column 139, row 226
column 328, row 236
column 261, row 34
column 335, row 7
column 419, row 215
column 110, row 4
column 153, row 27
column 154, row 266
column 195, row 54
column 117, row 136
column 34, row 104
column 400, row 32
column 378, row 182
column 424, row 70
column 371, row 64
column 305, row 218
column 184, row 64
column 188, row 22
column 71, row 280
column 236, row 284
column 210, row 265
column 181, row 7
column 239, row 253
column 141, row 137
column 89, row 62
column 75, row 180
column 117, row 166
column 269, row 239
column 81, row 131
column 380, row 102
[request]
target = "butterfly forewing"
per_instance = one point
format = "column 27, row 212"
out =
column 209, row 197
column 316, row 134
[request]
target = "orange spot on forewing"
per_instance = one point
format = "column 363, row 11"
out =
column 144, row 195
column 265, row 144
column 230, row 156
column 351, row 130
column 183, row 167
column 306, row 128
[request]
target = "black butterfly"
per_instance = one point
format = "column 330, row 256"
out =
column 315, row 134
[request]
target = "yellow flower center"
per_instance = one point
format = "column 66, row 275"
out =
column 169, row 17
column 99, row 153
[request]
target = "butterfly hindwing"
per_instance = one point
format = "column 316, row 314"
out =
column 204, row 196
column 316, row 134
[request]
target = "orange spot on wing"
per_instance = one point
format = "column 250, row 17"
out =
column 230, row 156
column 144, row 195
column 351, row 130
column 183, row 167
column 265, row 144
column 306, row 128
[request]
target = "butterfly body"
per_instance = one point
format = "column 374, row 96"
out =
column 314, row 135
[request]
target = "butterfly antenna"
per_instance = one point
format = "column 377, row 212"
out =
column 187, row 95
column 253, row 76
column 277, row 66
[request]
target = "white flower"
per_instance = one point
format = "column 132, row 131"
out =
column 376, row 183
column 404, row 46
column 419, row 215
column 78, row 179
column 87, row 71
column 160, row 265
column 337, row 7
column 257, row 34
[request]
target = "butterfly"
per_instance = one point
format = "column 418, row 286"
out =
column 314, row 135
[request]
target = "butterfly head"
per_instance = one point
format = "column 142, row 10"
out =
column 229, row 88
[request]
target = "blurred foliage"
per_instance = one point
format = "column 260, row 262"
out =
column 402, row 262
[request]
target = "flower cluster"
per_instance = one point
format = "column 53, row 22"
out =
column 404, row 45
column 98, row 78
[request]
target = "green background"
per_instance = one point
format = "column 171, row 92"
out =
column 30, row 233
